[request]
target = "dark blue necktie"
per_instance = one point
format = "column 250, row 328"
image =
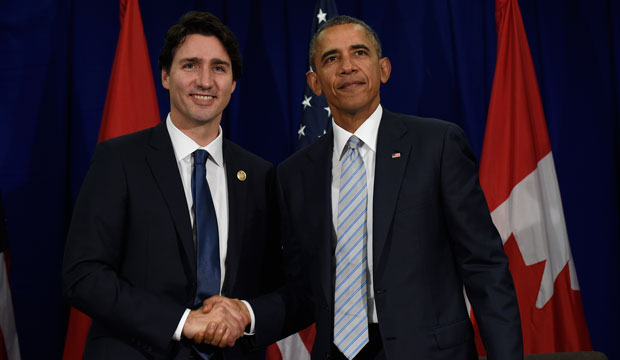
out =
column 207, row 239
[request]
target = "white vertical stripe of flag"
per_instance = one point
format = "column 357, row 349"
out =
column 7, row 319
column 532, row 212
column 293, row 348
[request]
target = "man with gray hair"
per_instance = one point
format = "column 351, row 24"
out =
column 384, row 225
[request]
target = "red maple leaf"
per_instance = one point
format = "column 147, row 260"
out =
column 560, row 325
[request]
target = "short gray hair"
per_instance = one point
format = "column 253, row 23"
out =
column 342, row 20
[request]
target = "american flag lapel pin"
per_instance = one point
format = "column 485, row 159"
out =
column 395, row 155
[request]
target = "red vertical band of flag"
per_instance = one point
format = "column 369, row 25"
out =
column 518, row 177
column 131, row 105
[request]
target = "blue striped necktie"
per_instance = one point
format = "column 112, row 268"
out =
column 351, row 289
column 207, row 240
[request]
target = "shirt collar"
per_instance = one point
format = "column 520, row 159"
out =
column 367, row 132
column 184, row 146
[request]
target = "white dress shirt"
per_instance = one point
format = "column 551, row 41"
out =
column 367, row 132
column 184, row 147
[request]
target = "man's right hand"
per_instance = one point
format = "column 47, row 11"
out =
column 219, row 324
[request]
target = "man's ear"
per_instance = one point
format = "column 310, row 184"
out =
column 385, row 68
column 164, row 79
column 313, row 82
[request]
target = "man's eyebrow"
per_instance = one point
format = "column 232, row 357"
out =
column 190, row 59
column 360, row 46
column 217, row 61
column 328, row 53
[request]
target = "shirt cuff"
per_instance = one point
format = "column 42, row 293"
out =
column 179, row 331
column 253, row 319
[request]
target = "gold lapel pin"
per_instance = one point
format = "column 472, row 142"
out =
column 241, row 175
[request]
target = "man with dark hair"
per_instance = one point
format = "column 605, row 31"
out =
column 202, row 23
column 386, row 223
column 174, row 214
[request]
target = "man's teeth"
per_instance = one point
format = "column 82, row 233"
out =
column 203, row 97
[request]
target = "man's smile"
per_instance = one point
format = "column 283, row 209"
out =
column 202, row 99
column 347, row 85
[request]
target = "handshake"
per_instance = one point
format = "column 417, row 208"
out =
column 220, row 321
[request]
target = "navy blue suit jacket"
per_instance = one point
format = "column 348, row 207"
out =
column 130, row 260
column 432, row 235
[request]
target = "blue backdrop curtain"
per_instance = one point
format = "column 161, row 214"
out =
column 57, row 57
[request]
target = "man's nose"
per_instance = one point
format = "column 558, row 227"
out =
column 205, row 78
column 347, row 65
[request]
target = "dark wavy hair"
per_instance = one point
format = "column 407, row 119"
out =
column 203, row 23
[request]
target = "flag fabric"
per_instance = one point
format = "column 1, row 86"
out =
column 315, row 115
column 131, row 105
column 315, row 121
column 9, row 344
column 518, row 177
column 131, row 102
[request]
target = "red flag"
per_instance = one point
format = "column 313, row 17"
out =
column 295, row 347
column 518, row 177
column 131, row 105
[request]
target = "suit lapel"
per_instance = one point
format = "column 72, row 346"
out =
column 317, row 185
column 161, row 160
column 237, row 195
column 393, row 150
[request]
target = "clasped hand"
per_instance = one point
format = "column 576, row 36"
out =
column 220, row 321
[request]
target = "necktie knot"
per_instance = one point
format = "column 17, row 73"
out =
column 354, row 142
column 200, row 157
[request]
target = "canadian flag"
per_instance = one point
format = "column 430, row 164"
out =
column 297, row 346
column 518, row 177
column 131, row 105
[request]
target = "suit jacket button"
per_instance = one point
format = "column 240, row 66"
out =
column 380, row 291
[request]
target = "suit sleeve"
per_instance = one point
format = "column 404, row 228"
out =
column 479, row 251
column 272, row 273
column 94, row 257
column 289, row 308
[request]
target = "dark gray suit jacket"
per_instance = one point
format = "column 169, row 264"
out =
column 130, row 260
column 432, row 235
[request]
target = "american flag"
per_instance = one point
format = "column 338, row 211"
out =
column 315, row 115
column 315, row 121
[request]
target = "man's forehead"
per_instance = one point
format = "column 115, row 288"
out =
column 343, row 37
column 198, row 46
column 344, row 32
